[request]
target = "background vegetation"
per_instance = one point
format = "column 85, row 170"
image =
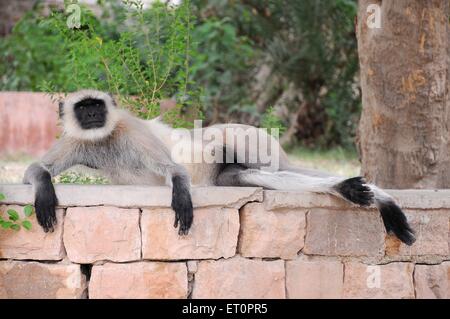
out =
column 223, row 60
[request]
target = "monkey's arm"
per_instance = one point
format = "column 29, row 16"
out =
column 177, row 176
column 39, row 175
column 159, row 161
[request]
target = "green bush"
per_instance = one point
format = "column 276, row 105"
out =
column 270, row 121
column 308, row 44
column 220, row 66
column 143, row 63
column 32, row 54
column 203, row 53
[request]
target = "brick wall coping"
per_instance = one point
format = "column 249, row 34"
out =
column 134, row 196
column 234, row 197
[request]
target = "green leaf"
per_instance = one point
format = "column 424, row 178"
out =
column 15, row 227
column 28, row 210
column 13, row 215
column 26, row 224
column 2, row 196
column 6, row 225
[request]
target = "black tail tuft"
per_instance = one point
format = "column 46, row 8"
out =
column 395, row 221
column 355, row 190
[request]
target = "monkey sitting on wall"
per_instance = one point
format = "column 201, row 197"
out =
column 129, row 150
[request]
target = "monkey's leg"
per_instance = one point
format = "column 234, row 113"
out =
column 291, row 177
column 305, row 171
column 353, row 189
column 393, row 217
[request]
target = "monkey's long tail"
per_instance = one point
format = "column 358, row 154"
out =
column 393, row 217
column 353, row 189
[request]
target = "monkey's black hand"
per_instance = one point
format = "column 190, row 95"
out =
column 45, row 205
column 355, row 190
column 184, row 215
column 182, row 205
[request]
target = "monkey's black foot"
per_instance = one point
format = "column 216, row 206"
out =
column 45, row 206
column 355, row 190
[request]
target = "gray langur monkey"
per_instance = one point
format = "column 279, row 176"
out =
column 129, row 150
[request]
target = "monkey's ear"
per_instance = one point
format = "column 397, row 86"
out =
column 112, row 99
column 61, row 109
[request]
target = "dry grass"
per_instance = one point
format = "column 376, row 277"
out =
column 336, row 161
column 13, row 167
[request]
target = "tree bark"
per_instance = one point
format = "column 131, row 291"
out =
column 404, row 132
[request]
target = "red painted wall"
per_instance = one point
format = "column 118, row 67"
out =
column 28, row 123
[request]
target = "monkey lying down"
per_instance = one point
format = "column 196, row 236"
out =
column 128, row 150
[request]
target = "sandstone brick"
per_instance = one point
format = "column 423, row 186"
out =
column 392, row 280
column 313, row 279
column 34, row 243
column 431, row 228
column 140, row 280
column 358, row 232
column 278, row 233
column 213, row 234
column 239, row 278
column 102, row 233
column 32, row 280
column 432, row 281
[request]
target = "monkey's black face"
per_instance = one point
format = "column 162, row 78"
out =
column 91, row 113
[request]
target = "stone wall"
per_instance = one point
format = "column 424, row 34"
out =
column 119, row 242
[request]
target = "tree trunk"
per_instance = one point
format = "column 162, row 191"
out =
column 404, row 131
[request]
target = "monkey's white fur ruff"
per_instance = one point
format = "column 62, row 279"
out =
column 72, row 127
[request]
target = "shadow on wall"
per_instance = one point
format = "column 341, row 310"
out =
column 29, row 123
